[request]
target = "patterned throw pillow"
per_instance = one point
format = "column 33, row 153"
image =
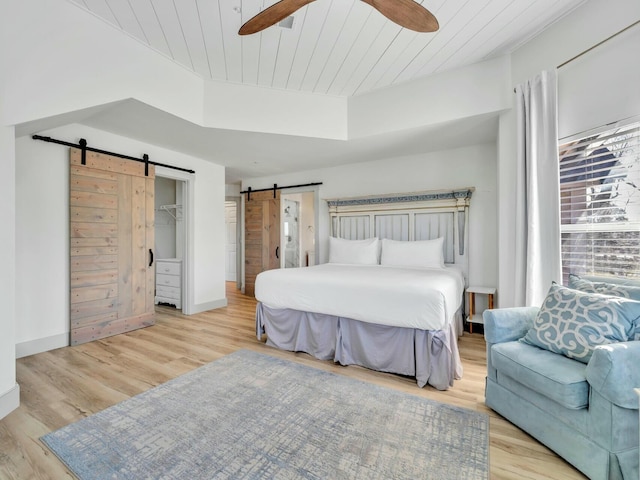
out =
column 573, row 323
column 618, row 290
column 605, row 288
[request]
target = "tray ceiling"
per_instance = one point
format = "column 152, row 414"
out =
column 334, row 47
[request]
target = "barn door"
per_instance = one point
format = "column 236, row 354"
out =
column 262, row 236
column 111, row 227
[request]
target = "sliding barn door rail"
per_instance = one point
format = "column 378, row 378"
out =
column 82, row 145
column 275, row 188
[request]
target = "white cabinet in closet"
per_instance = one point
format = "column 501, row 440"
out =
column 169, row 281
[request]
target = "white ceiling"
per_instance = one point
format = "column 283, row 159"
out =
column 336, row 47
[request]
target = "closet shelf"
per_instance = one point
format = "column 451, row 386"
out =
column 170, row 209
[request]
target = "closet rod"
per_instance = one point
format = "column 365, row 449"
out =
column 83, row 146
column 275, row 187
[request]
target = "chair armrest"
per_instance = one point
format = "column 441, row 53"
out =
column 613, row 372
column 508, row 324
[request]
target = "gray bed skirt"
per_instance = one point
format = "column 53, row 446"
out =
column 431, row 357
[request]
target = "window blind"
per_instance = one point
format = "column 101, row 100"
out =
column 600, row 203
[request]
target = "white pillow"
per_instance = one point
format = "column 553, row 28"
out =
column 360, row 252
column 422, row 253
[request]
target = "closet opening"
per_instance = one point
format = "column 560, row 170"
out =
column 170, row 241
column 232, row 241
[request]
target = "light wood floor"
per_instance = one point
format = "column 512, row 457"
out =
column 65, row 385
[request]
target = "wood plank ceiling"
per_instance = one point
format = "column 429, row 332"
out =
column 335, row 47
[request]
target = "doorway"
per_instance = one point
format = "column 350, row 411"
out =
column 298, row 230
column 231, row 241
column 170, row 241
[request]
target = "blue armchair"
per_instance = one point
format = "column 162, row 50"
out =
column 586, row 413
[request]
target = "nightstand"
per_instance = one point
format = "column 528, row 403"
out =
column 472, row 291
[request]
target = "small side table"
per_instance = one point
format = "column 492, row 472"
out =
column 488, row 291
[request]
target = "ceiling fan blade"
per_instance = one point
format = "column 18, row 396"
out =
column 407, row 14
column 272, row 15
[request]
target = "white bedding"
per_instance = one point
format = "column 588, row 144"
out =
column 423, row 298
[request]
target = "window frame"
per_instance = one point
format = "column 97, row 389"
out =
column 594, row 227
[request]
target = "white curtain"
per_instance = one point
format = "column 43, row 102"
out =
column 537, row 191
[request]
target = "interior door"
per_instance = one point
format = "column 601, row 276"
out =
column 231, row 241
column 112, row 237
column 262, row 236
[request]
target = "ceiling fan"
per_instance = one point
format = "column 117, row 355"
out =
column 406, row 13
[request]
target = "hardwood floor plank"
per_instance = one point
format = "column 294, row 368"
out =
column 67, row 384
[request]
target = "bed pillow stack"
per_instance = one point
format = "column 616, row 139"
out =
column 423, row 253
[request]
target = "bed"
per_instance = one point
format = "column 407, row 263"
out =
column 391, row 300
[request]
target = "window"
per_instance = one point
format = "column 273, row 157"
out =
column 600, row 203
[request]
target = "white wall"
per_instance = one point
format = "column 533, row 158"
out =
column 601, row 87
column 259, row 109
column 42, row 232
column 473, row 166
column 63, row 59
column 466, row 92
column 586, row 26
column 42, row 251
column 9, row 391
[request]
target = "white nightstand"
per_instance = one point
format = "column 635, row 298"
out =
column 472, row 291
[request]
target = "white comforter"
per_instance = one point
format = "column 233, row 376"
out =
column 423, row 298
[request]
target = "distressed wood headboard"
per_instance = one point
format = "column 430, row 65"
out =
column 408, row 216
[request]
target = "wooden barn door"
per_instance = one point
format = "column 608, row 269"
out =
column 262, row 236
column 112, row 237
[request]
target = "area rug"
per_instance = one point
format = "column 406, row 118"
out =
column 253, row 416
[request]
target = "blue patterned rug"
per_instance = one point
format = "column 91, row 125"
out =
column 253, row 416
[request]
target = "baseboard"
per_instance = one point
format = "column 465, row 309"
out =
column 9, row 401
column 203, row 307
column 40, row 345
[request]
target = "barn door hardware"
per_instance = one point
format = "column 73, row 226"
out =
column 275, row 188
column 82, row 145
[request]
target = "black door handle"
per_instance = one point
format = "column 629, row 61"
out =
column 278, row 252
column 150, row 257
